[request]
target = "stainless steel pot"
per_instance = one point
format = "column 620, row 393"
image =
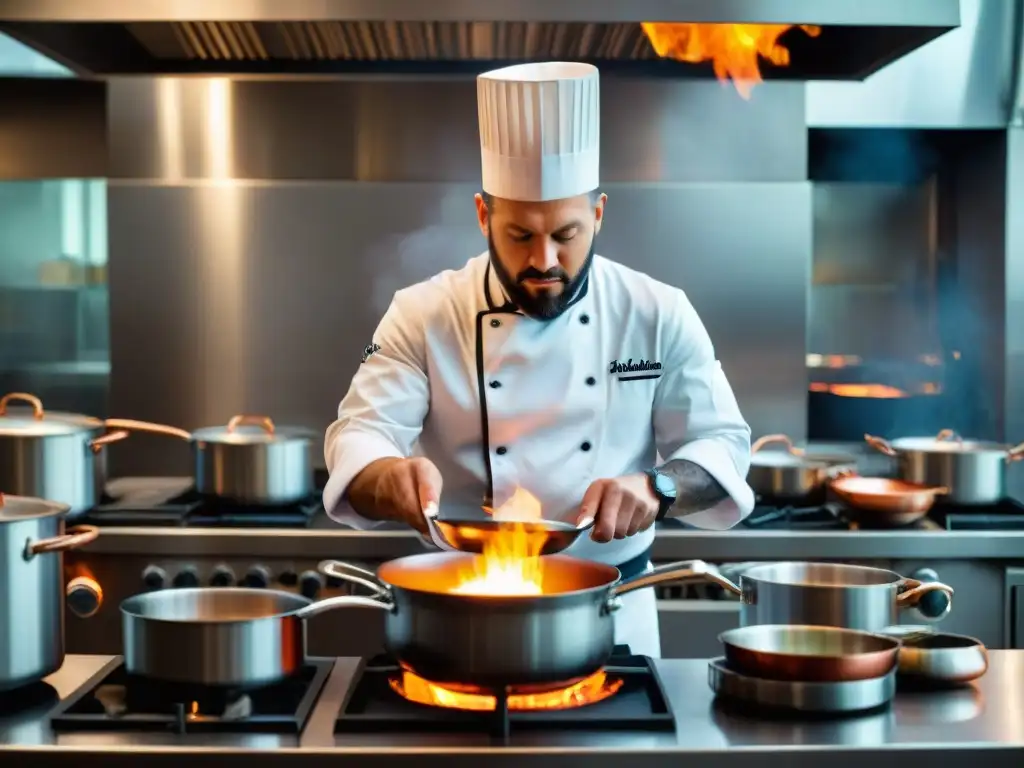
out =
column 791, row 473
column 973, row 471
column 250, row 460
column 32, row 540
column 492, row 642
column 52, row 455
column 834, row 595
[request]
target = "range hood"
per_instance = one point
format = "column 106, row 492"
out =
column 852, row 38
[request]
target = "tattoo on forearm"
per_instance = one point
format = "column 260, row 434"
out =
column 696, row 490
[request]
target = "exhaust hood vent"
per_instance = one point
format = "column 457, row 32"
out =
column 849, row 39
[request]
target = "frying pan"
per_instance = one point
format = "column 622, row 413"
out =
column 809, row 654
column 884, row 501
column 545, row 537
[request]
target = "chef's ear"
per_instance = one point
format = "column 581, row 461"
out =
column 599, row 211
column 483, row 217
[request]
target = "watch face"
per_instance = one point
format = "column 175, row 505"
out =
column 664, row 486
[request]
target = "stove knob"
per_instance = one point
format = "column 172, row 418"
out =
column 154, row 578
column 222, row 576
column 84, row 597
column 258, row 577
column 287, row 578
column 310, row 584
column 186, row 578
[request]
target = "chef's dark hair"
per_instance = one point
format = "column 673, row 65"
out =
column 594, row 194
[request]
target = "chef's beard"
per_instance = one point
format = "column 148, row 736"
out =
column 542, row 306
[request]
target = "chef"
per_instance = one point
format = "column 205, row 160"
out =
column 543, row 366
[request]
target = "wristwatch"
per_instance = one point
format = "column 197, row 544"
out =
column 664, row 487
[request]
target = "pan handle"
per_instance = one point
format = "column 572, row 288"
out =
column 145, row 426
column 880, row 444
column 761, row 442
column 355, row 575
column 344, row 601
column 687, row 570
column 913, row 593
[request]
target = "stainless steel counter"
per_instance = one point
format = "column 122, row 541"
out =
column 327, row 539
column 984, row 722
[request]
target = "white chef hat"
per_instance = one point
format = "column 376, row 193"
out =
column 539, row 130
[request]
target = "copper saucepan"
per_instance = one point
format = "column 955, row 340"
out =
column 884, row 501
column 809, row 654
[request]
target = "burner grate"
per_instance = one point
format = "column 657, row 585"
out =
column 640, row 704
column 113, row 700
column 192, row 510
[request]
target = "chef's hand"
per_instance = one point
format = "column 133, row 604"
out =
column 397, row 489
column 621, row 507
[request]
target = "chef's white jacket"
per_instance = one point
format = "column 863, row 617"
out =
column 497, row 400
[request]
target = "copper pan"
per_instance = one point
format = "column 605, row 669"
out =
column 883, row 500
column 809, row 654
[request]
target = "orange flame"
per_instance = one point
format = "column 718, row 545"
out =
column 733, row 49
column 589, row 690
column 510, row 564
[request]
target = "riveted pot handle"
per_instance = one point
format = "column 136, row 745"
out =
column 73, row 538
column 354, row 575
column 761, row 442
column 913, row 592
column 880, row 444
column 685, row 571
column 25, row 397
column 344, row 601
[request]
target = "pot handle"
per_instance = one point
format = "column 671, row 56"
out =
column 354, row 575
column 948, row 434
column 933, row 599
column 1015, row 454
column 761, row 442
column 344, row 601
column 687, row 570
column 880, row 444
column 259, row 421
column 25, row 397
column 73, row 538
column 98, row 444
column 145, row 426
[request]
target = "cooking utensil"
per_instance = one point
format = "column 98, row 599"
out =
column 971, row 471
column 492, row 642
column 545, row 537
column 850, row 696
column 884, row 500
column 833, row 595
column 220, row 636
column 942, row 657
column 250, row 460
column 52, row 455
column 32, row 542
column 809, row 654
column 791, row 473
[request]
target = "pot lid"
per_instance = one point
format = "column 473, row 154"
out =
column 784, row 459
column 935, row 445
column 23, row 415
column 251, row 430
column 14, row 508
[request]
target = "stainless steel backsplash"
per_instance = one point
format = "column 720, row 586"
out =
column 258, row 230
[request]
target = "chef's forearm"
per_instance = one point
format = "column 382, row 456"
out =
column 696, row 489
column 364, row 495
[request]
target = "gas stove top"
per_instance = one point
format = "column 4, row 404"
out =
column 626, row 695
column 113, row 700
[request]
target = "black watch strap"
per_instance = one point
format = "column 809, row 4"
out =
column 665, row 501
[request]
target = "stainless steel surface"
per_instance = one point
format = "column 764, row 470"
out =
column 31, row 590
column 809, row 654
column 219, row 212
column 789, row 473
column 827, row 697
column 972, row 471
column 964, row 79
column 546, row 537
column 942, row 657
column 826, row 594
column 1013, row 287
column 492, row 641
column 184, row 38
column 945, row 729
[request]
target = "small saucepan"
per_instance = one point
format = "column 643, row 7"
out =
column 884, row 501
column 809, row 654
column 792, row 474
column 250, row 460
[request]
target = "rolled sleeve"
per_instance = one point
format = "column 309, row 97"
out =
column 382, row 414
column 697, row 418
